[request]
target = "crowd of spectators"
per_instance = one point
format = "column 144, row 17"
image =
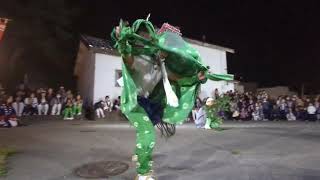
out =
column 260, row 107
column 243, row 106
column 46, row 101
column 26, row 102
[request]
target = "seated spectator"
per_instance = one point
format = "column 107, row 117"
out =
column 311, row 112
column 266, row 108
column 243, row 114
column 317, row 105
column 197, row 106
column 250, row 108
column 199, row 117
column 291, row 116
column 283, row 109
column 77, row 106
column 98, row 107
column 62, row 92
column 18, row 106
column 257, row 113
column 50, row 96
column 39, row 92
column 2, row 95
column 68, row 110
column 107, row 104
column 69, row 95
column 275, row 114
column 31, row 105
column 56, row 104
column 7, row 114
column 43, row 105
column 216, row 94
column 116, row 104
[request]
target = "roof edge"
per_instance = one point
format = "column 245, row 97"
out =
column 213, row 46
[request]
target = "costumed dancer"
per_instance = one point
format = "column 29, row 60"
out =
column 161, row 75
column 213, row 108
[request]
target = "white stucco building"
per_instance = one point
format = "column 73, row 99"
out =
column 98, row 66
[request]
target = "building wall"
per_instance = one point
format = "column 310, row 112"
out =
column 102, row 78
column 105, row 76
column 217, row 60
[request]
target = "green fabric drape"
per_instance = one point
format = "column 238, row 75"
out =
column 182, row 60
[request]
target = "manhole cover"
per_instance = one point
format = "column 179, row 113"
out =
column 101, row 169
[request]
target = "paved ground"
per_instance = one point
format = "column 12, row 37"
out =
column 51, row 149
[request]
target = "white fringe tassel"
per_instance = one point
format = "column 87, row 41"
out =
column 172, row 99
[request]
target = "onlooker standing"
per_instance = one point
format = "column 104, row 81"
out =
column 56, row 104
column 18, row 106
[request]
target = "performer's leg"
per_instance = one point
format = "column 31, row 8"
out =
column 145, row 142
column 208, row 123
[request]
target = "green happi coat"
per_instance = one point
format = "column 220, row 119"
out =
column 182, row 60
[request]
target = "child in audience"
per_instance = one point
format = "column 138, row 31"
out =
column 68, row 111
column 77, row 106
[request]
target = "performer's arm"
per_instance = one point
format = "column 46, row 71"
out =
column 190, row 81
column 128, row 60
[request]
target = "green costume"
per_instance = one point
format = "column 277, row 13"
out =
column 182, row 61
column 77, row 108
column 213, row 119
column 68, row 113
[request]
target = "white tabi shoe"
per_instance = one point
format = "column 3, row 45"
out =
column 145, row 177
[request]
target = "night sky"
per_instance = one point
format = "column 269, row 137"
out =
column 276, row 43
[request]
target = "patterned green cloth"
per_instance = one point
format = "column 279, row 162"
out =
column 182, row 60
column 221, row 104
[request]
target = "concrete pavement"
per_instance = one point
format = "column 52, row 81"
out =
column 51, row 149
